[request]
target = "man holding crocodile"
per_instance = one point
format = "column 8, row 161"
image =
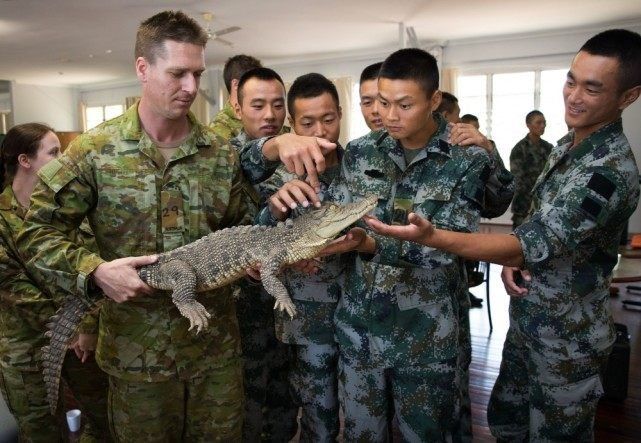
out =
column 149, row 181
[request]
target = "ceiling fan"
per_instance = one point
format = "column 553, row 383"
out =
column 215, row 35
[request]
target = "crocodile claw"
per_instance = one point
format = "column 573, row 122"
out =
column 286, row 305
column 196, row 314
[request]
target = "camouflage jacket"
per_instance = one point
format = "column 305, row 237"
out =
column 582, row 200
column 27, row 297
column 526, row 163
column 138, row 204
column 443, row 183
column 225, row 124
column 313, row 323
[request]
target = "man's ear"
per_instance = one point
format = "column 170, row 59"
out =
column 142, row 69
column 237, row 110
column 628, row 97
column 340, row 112
column 23, row 160
column 436, row 100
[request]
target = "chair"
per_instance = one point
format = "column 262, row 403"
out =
column 479, row 274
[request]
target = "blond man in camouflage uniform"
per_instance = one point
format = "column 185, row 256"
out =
column 559, row 262
column 149, row 181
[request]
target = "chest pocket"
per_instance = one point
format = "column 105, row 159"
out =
column 429, row 201
column 126, row 204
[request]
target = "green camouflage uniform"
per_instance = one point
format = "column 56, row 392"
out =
column 399, row 308
column 270, row 410
column 526, row 163
column 311, row 332
column 562, row 331
column 26, row 307
column 165, row 382
column 225, row 124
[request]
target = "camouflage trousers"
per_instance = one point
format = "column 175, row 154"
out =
column 26, row 397
column 270, row 409
column 424, row 400
column 203, row 409
column 315, row 382
column 544, row 396
column 463, row 413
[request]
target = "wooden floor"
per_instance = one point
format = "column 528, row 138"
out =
column 615, row 422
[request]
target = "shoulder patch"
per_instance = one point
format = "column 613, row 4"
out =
column 591, row 207
column 485, row 174
column 374, row 173
column 382, row 137
column 444, row 146
column 56, row 175
column 601, row 185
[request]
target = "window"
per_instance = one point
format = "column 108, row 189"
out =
column 502, row 100
column 94, row 115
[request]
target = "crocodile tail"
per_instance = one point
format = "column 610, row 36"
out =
column 61, row 331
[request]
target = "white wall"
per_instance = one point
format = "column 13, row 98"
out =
column 55, row 106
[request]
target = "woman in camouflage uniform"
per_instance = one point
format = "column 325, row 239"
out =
column 25, row 304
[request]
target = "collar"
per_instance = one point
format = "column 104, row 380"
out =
column 591, row 142
column 8, row 202
column 130, row 128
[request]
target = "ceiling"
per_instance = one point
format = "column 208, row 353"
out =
column 79, row 42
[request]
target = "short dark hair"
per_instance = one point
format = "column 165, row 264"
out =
column 167, row 25
column 448, row 101
column 236, row 66
column 468, row 118
column 259, row 73
column 310, row 86
column 370, row 72
column 530, row 116
column 412, row 64
column 623, row 45
column 21, row 139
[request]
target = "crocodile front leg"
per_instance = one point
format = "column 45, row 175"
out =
column 183, row 279
column 274, row 286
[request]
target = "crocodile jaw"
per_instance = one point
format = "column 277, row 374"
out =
column 336, row 218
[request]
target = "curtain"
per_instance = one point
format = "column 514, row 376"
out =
column 344, row 88
column 200, row 109
column 129, row 101
column 448, row 82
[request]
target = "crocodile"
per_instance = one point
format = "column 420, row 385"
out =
column 213, row 261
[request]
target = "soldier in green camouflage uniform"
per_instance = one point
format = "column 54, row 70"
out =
column 527, row 160
column 149, row 181
column 314, row 111
column 397, row 312
column 226, row 123
column 561, row 329
column 29, row 299
column 270, row 410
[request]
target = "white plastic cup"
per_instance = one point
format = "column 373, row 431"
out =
column 73, row 419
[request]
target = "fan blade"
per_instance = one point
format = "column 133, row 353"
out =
column 226, row 31
column 223, row 41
